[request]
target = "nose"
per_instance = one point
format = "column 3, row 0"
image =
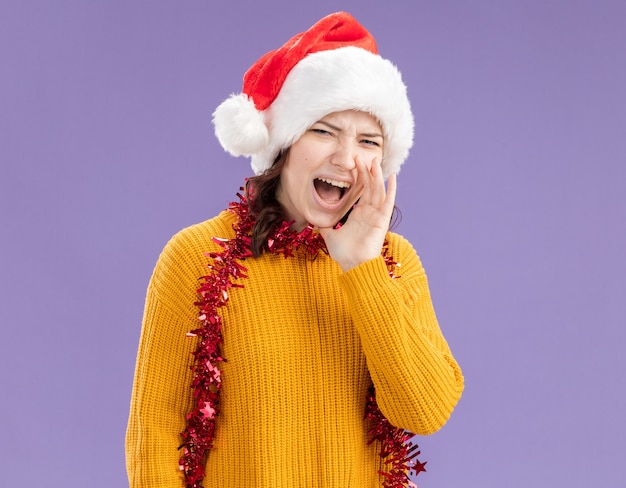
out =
column 344, row 155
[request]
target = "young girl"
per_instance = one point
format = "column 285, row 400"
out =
column 291, row 341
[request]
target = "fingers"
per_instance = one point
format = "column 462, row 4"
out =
column 390, row 198
column 373, row 191
column 373, row 183
column 378, row 183
column 363, row 177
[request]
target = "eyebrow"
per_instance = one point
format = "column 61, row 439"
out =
column 338, row 129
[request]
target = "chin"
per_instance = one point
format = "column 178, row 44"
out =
column 324, row 221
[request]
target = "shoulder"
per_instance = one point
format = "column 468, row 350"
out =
column 184, row 258
column 403, row 252
column 398, row 244
column 199, row 237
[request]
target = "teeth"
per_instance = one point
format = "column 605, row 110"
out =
column 339, row 184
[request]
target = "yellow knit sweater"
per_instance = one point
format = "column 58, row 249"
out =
column 303, row 343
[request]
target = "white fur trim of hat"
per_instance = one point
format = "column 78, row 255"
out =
column 272, row 113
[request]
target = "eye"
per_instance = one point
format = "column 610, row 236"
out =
column 323, row 132
column 370, row 142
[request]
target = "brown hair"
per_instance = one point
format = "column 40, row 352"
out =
column 268, row 212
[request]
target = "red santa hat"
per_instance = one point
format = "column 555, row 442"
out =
column 331, row 67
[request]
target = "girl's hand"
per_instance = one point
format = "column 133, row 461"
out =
column 362, row 237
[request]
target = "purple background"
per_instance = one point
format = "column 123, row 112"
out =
column 513, row 196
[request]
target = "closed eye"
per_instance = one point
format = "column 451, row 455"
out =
column 322, row 132
column 369, row 142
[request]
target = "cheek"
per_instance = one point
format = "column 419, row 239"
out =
column 368, row 157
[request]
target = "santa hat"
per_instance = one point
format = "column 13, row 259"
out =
column 331, row 67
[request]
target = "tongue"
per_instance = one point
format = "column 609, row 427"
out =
column 327, row 192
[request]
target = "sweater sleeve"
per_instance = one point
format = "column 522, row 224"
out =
column 418, row 382
column 161, row 396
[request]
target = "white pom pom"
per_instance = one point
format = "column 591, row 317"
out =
column 239, row 126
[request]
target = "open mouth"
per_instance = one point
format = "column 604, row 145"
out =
column 331, row 191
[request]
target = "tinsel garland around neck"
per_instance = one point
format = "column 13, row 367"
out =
column 399, row 455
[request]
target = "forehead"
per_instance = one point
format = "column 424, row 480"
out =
column 350, row 118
